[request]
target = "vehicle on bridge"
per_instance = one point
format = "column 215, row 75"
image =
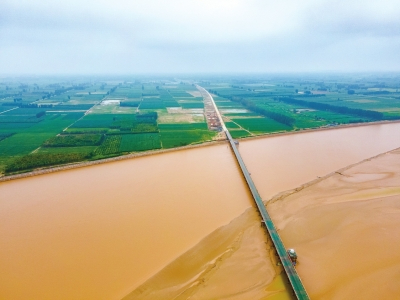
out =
column 292, row 255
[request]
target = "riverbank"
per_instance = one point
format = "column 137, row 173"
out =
column 341, row 126
column 70, row 166
column 345, row 228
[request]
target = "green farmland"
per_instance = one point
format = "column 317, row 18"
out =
column 51, row 121
column 139, row 142
column 271, row 104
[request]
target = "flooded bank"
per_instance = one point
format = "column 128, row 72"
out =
column 101, row 231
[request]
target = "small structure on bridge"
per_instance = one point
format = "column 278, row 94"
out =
column 292, row 255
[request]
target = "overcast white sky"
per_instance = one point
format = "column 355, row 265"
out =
column 191, row 36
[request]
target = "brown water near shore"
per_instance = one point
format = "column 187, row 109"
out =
column 346, row 231
column 236, row 261
column 284, row 162
column 99, row 232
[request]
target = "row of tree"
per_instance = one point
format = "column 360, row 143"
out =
column 250, row 105
column 27, row 105
column 36, row 160
column 337, row 109
column 74, row 140
column 129, row 103
column 41, row 114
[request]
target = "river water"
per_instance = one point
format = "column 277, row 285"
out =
column 100, row 231
column 284, row 162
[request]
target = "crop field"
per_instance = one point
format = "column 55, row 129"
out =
column 171, row 103
column 299, row 103
column 239, row 133
column 83, row 118
column 86, row 130
column 110, row 145
column 149, row 104
column 15, row 127
column 189, row 105
column 28, row 139
column 229, row 104
column 231, row 125
column 95, row 121
column 112, row 109
column 139, row 142
column 261, row 125
column 171, row 139
column 180, row 94
column 74, row 140
column 66, row 107
column 20, row 119
column 130, row 103
column 180, row 116
column 37, row 160
column 244, row 115
column 5, row 135
column 86, row 151
column 179, row 127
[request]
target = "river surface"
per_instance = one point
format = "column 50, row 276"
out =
column 284, row 162
column 100, row 231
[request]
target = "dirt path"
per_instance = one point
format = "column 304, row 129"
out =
column 240, row 127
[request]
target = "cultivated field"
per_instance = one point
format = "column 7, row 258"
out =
column 84, row 119
column 302, row 102
column 48, row 122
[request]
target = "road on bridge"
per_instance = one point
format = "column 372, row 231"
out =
column 290, row 271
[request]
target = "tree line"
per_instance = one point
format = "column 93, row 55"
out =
column 250, row 105
column 337, row 109
column 129, row 103
column 37, row 160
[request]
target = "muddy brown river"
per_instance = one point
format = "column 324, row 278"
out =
column 100, row 231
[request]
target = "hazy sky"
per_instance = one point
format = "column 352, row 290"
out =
column 170, row 36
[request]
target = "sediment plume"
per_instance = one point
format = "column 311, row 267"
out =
column 236, row 261
column 346, row 230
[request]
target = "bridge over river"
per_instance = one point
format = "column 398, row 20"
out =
column 290, row 271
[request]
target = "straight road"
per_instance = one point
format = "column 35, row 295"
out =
column 291, row 273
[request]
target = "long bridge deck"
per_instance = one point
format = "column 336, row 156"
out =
column 290, row 271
